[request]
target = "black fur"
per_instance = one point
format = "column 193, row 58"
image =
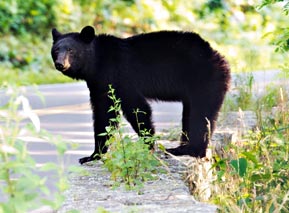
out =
column 165, row 66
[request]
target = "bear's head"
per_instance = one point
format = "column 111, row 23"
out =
column 70, row 52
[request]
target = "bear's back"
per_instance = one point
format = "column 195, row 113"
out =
column 168, row 60
column 169, row 40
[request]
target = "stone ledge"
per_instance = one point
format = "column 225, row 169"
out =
column 167, row 194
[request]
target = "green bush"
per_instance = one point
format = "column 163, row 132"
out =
column 31, row 16
column 129, row 161
column 253, row 176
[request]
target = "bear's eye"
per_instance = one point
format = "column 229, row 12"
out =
column 69, row 50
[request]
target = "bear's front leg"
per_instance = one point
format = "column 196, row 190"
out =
column 100, row 105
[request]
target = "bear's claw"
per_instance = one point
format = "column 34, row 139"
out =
column 88, row 159
column 187, row 150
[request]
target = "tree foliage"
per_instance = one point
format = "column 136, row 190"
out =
column 123, row 15
column 235, row 28
column 20, row 17
column 280, row 37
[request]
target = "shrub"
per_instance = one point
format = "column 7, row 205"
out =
column 29, row 17
column 130, row 161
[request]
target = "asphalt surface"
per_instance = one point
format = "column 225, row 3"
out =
column 66, row 112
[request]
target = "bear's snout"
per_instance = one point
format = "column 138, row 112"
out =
column 62, row 63
column 59, row 66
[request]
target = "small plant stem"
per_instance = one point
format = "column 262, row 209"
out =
column 285, row 199
column 125, row 162
column 7, row 176
column 137, row 169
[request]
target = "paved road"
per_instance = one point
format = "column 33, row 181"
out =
column 66, row 112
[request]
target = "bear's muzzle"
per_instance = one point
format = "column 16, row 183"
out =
column 62, row 62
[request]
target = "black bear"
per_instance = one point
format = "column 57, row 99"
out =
column 165, row 66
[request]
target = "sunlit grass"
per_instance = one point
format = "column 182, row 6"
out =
column 18, row 77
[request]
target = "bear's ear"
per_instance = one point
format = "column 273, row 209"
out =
column 55, row 34
column 87, row 34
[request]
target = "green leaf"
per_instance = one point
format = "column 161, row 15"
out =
column 250, row 156
column 161, row 147
column 240, row 166
column 261, row 177
column 102, row 134
column 61, row 147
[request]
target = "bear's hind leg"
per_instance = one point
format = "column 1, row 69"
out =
column 185, row 123
column 203, row 113
column 198, row 135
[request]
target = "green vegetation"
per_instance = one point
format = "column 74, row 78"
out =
column 129, row 161
column 22, row 187
column 252, row 176
column 280, row 37
column 242, row 94
column 234, row 28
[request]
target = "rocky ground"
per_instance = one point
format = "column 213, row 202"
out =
column 168, row 193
